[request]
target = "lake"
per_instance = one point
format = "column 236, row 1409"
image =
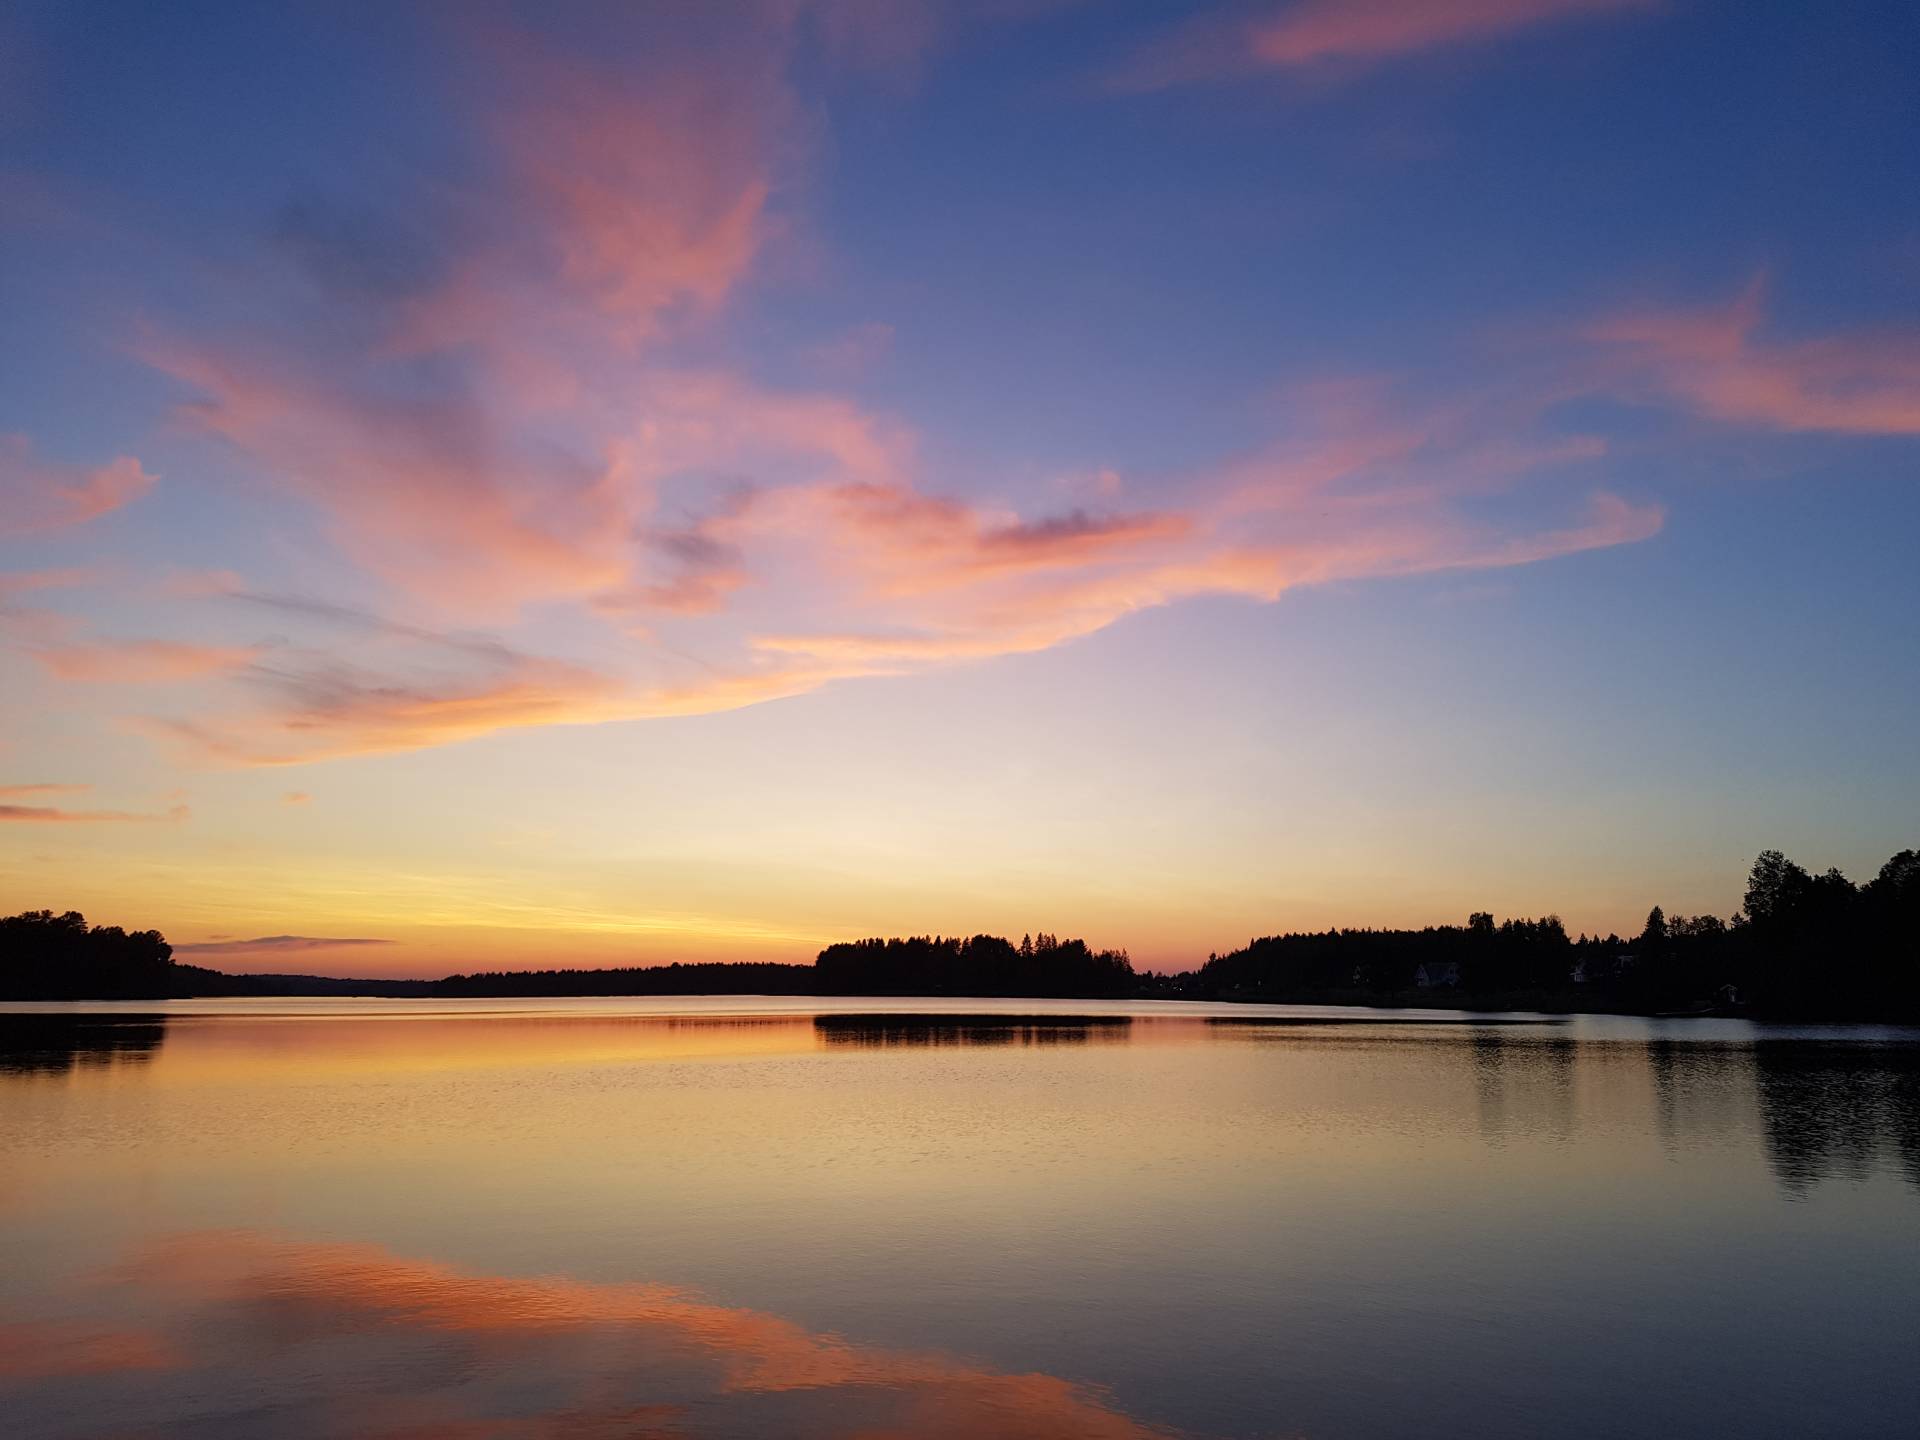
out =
column 747, row 1217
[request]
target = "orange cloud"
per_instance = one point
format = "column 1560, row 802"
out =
column 719, row 1368
column 138, row 662
column 38, row 495
column 862, row 573
column 324, row 709
column 47, row 815
column 1371, row 494
column 908, row 542
column 1356, row 32
column 15, row 792
column 1715, row 360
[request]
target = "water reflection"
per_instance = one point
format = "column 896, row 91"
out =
column 1817, row 1105
column 886, row 1031
column 58, row 1043
column 1229, row 1216
column 1524, row 1083
column 361, row 1341
column 1835, row 1110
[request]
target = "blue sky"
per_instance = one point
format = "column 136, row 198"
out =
column 651, row 482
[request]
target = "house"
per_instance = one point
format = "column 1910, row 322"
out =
column 1436, row 974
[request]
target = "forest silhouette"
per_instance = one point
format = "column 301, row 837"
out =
column 1803, row 945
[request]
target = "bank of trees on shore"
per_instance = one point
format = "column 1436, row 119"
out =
column 1040, row 965
column 745, row 978
column 44, row 956
column 1803, row 944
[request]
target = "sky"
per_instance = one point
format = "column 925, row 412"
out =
column 492, row 486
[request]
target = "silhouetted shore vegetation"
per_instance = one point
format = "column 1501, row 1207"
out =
column 1039, row 966
column 44, row 956
column 1802, row 945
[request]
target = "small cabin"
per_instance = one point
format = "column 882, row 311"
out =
column 1437, row 974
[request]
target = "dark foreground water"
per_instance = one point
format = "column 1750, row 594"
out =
column 751, row 1218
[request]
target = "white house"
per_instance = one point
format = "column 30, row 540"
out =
column 1435, row 974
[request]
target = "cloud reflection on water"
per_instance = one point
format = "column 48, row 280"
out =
column 327, row 1338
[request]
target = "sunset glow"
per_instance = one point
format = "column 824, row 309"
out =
column 488, row 487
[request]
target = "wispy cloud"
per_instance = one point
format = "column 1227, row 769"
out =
column 37, row 495
column 20, row 792
column 1719, row 361
column 23, row 582
column 276, row 945
column 141, row 662
column 49, row 815
column 1241, row 40
column 513, row 427
column 328, row 708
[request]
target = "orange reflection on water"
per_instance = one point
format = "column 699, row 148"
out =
column 215, row 1050
column 389, row 1346
column 50, row 1349
column 267, row 1046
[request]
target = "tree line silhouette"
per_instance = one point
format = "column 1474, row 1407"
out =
column 44, row 956
column 1803, row 944
column 1041, row 965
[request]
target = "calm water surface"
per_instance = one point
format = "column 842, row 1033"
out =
column 766, row 1217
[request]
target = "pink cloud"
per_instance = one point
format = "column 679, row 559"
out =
column 17, row 792
column 907, row 542
column 1717, row 361
column 517, row 437
column 653, row 188
column 628, row 199
column 1354, row 32
column 847, row 567
column 21, row 582
column 1068, row 604
column 1377, row 29
column 431, row 496
column 1371, row 491
column 37, row 495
